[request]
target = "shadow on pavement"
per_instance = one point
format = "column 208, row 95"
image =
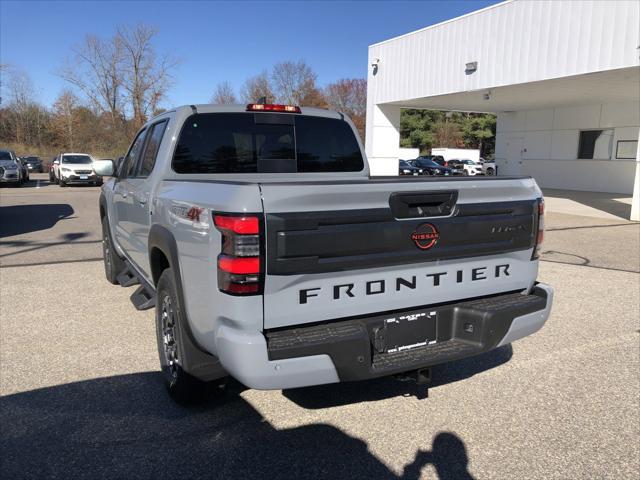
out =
column 337, row 394
column 21, row 219
column 605, row 202
column 31, row 183
column 127, row 427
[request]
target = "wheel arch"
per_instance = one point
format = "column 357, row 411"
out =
column 163, row 254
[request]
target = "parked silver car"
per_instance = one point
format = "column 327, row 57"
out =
column 10, row 168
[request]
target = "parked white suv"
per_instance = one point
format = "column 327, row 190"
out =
column 468, row 167
column 75, row 168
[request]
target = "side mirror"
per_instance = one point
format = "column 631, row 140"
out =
column 56, row 162
column 104, row 168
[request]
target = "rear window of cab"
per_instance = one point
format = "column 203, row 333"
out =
column 265, row 143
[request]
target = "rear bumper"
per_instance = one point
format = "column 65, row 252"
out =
column 77, row 179
column 9, row 180
column 346, row 350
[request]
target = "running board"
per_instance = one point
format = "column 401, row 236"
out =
column 142, row 299
column 127, row 278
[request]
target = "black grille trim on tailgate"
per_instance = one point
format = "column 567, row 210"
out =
column 332, row 241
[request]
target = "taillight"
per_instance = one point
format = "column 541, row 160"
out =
column 240, row 266
column 540, row 232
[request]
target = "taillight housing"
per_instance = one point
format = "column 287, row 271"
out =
column 240, row 263
column 540, row 229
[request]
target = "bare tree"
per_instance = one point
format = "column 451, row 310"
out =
column 146, row 77
column 295, row 84
column 64, row 124
column 22, row 116
column 224, row 94
column 349, row 95
column 256, row 87
column 4, row 72
column 446, row 134
column 97, row 70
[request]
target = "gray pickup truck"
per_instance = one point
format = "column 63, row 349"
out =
column 270, row 254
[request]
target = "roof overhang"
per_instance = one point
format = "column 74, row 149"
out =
column 601, row 87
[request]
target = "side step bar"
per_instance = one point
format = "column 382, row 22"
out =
column 128, row 278
column 144, row 297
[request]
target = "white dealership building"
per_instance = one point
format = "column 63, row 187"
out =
column 563, row 78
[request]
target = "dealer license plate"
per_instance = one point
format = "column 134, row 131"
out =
column 404, row 332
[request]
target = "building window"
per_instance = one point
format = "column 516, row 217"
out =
column 595, row 144
column 627, row 149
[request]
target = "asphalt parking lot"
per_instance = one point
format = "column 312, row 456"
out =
column 81, row 394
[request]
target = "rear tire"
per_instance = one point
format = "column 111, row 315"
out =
column 113, row 264
column 490, row 172
column 182, row 387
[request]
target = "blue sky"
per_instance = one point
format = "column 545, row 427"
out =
column 216, row 41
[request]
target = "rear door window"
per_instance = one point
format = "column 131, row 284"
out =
column 153, row 145
column 131, row 160
column 259, row 142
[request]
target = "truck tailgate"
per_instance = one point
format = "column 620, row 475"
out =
column 341, row 249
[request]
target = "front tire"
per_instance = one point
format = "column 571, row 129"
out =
column 182, row 387
column 113, row 264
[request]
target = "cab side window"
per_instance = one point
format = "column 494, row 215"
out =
column 153, row 145
column 131, row 160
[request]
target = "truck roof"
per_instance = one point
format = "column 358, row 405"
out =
column 242, row 108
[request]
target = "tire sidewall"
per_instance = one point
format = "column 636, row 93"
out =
column 116, row 264
column 167, row 287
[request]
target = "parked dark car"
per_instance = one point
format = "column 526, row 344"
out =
column 23, row 167
column 52, row 174
column 405, row 168
column 34, row 164
column 439, row 159
column 430, row 167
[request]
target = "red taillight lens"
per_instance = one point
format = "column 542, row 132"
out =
column 242, row 225
column 269, row 107
column 242, row 288
column 240, row 262
column 540, row 232
column 242, row 265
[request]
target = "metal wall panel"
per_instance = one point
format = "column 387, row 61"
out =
column 513, row 42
